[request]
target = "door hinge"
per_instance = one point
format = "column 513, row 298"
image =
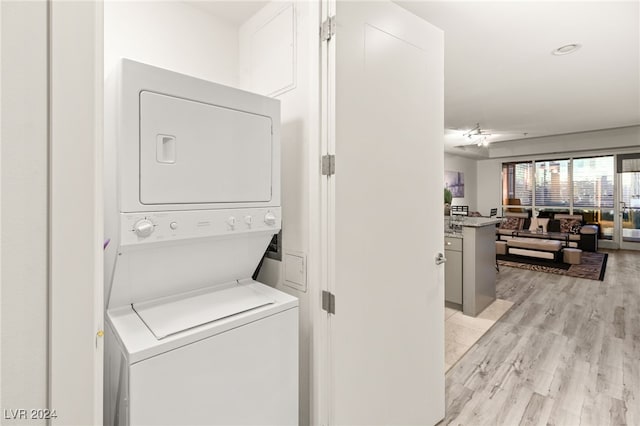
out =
column 328, row 302
column 328, row 165
column 328, row 29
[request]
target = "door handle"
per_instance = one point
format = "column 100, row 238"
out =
column 440, row 259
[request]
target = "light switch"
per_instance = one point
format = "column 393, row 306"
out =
column 295, row 271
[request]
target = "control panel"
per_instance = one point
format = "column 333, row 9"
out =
column 152, row 227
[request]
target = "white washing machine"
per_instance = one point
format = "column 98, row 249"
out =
column 192, row 183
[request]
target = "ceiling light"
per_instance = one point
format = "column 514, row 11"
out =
column 476, row 132
column 566, row 49
column 483, row 141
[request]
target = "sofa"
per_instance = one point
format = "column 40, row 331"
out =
column 581, row 235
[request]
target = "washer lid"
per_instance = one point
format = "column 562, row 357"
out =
column 172, row 315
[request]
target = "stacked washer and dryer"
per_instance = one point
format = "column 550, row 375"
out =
column 192, row 175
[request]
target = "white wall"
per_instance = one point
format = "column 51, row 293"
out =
column 489, row 193
column 468, row 166
column 289, row 72
column 23, row 198
column 171, row 35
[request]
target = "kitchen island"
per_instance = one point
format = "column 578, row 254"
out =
column 470, row 278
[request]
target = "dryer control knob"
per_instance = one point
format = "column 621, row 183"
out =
column 270, row 219
column 143, row 228
column 231, row 221
column 248, row 220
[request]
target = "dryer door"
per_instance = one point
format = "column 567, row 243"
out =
column 193, row 152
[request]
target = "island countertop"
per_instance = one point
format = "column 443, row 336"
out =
column 477, row 222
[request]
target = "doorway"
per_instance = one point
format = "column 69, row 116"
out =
column 629, row 201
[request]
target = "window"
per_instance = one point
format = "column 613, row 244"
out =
column 579, row 185
column 593, row 192
column 552, row 184
column 593, row 182
column 517, row 183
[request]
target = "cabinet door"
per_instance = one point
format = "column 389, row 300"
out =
column 453, row 277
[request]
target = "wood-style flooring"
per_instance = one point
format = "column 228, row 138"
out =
column 567, row 353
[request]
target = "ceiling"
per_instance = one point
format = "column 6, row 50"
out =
column 232, row 11
column 499, row 70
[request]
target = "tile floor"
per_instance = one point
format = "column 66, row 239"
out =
column 462, row 331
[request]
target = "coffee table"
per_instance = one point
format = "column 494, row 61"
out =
column 560, row 236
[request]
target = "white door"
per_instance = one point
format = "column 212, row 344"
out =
column 386, row 338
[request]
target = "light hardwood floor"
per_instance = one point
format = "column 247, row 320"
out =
column 567, row 353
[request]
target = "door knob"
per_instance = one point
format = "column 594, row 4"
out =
column 440, row 259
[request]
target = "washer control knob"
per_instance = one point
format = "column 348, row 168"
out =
column 248, row 220
column 173, row 225
column 231, row 221
column 270, row 219
column 143, row 228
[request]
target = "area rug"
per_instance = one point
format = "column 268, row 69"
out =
column 592, row 267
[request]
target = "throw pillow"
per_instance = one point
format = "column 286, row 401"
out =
column 535, row 222
column 509, row 222
column 575, row 228
column 570, row 226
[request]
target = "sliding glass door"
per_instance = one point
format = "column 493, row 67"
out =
column 630, row 210
column 628, row 166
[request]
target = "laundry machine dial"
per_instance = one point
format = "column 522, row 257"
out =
column 143, row 228
column 270, row 219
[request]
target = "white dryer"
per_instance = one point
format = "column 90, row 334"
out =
column 192, row 183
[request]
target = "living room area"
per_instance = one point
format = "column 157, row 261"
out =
column 566, row 349
column 586, row 191
column 542, row 121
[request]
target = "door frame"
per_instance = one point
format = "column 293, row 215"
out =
column 54, row 128
column 618, row 215
column 321, row 395
column 76, row 312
